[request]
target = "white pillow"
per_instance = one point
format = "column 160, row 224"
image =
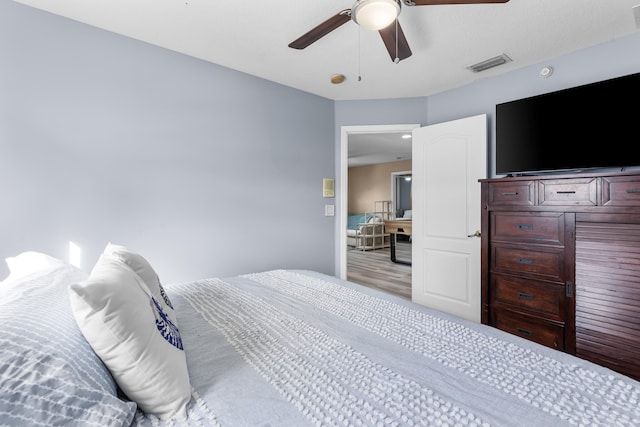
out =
column 408, row 213
column 375, row 220
column 135, row 334
column 143, row 269
column 30, row 262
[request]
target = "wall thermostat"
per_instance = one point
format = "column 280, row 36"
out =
column 328, row 187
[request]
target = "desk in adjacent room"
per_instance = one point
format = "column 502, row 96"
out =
column 393, row 227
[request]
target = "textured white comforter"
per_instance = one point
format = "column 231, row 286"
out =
column 294, row 348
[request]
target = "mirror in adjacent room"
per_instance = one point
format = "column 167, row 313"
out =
column 402, row 194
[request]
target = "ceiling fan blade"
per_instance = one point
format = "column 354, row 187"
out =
column 437, row 2
column 388, row 35
column 322, row 30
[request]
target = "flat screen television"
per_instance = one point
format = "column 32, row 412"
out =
column 593, row 126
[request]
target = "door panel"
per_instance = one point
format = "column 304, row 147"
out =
column 448, row 160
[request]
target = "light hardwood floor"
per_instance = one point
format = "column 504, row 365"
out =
column 376, row 270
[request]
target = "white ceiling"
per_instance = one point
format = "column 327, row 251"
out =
column 252, row 36
column 373, row 148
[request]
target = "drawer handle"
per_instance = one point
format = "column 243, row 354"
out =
column 526, row 227
column 569, row 289
column 525, row 296
column 525, row 260
column 524, row 332
column 510, row 193
column 566, row 192
column 633, row 191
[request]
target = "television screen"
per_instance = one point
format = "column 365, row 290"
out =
column 585, row 127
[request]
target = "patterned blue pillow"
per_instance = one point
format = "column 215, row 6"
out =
column 49, row 375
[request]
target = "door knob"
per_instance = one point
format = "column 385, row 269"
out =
column 476, row 234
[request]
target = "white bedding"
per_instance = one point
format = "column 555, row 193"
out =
column 301, row 348
column 295, row 348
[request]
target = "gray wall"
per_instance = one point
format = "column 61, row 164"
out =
column 608, row 60
column 204, row 170
column 613, row 59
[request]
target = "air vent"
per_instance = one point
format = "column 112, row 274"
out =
column 489, row 63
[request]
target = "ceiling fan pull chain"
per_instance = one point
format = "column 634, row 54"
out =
column 359, row 45
column 397, row 58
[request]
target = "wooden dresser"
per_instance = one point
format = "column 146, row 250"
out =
column 561, row 263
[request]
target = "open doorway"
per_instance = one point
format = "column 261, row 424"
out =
column 342, row 213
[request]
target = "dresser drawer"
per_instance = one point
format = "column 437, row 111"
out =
column 544, row 298
column 568, row 192
column 542, row 263
column 516, row 193
column 532, row 328
column 621, row 190
column 544, row 227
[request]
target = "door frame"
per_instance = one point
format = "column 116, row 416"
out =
column 345, row 131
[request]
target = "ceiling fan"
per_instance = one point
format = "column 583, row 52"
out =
column 377, row 15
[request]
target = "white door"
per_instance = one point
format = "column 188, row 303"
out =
column 448, row 160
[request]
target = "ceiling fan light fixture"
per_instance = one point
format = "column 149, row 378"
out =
column 375, row 14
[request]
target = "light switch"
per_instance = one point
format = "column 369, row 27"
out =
column 329, row 210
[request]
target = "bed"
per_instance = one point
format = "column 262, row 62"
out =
column 273, row 348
